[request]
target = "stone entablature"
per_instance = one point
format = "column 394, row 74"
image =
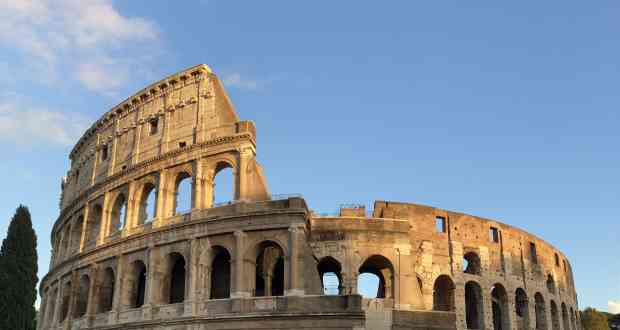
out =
column 133, row 250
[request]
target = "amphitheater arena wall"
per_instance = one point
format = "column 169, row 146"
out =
column 128, row 255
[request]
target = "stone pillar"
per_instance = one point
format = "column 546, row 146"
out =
column 199, row 184
column 133, row 209
column 240, row 289
column 57, row 306
column 162, row 194
column 104, row 221
column 118, row 290
column 296, row 283
column 135, row 152
column 241, row 187
column 459, row 304
column 408, row 295
column 115, row 135
column 42, row 311
column 93, row 292
column 191, row 301
column 148, row 287
column 84, row 234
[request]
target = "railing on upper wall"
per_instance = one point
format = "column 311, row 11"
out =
column 275, row 197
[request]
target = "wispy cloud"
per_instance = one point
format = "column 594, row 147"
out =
column 236, row 80
column 613, row 307
column 24, row 124
column 62, row 37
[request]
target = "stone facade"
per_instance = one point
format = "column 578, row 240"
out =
column 128, row 255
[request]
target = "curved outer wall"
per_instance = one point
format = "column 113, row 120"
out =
column 126, row 255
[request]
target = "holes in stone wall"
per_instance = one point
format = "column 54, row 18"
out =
column 177, row 273
column 119, row 212
column 330, row 274
column 494, row 235
column 541, row 311
column 153, row 126
column 81, row 304
column 106, row 292
column 220, row 273
column 443, row 294
column 183, row 194
column 440, row 224
column 223, row 183
column 555, row 316
column 499, row 299
column 522, row 309
column 474, row 311
column 269, row 279
column 137, row 284
column 64, row 308
column 382, row 269
column 148, row 203
column 550, row 284
column 471, row 263
column 533, row 254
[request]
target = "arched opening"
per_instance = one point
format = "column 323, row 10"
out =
column 474, row 311
column 471, row 263
column 220, row 274
column 66, row 297
column 82, row 297
column 443, row 294
column 522, row 309
column 330, row 275
column 501, row 320
column 119, row 213
column 94, row 224
column 541, row 311
column 565, row 320
column 148, row 203
column 550, row 283
column 183, row 194
column 223, row 184
column 106, row 293
column 137, row 284
column 555, row 316
column 382, row 268
column 269, row 270
column 76, row 235
column 176, row 292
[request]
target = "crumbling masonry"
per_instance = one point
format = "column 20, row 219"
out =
column 130, row 253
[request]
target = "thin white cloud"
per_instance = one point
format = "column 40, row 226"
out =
column 25, row 125
column 236, row 80
column 64, row 36
column 613, row 307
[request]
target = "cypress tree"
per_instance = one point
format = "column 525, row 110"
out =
column 18, row 274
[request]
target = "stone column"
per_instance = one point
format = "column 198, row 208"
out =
column 191, row 301
column 118, row 290
column 296, row 234
column 149, row 285
column 42, row 311
column 93, row 292
column 407, row 295
column 135, row 152
column 199, row 184
column 132, row 211
column 105, row 219
column 241, row 187
column 58, row 305
column 240, row 289
column 162, row 194
column 84, row 234
column 115, row 135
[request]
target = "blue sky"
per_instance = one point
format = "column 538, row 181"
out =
column 507, row 110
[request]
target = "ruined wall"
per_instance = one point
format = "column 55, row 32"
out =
column 129, row 252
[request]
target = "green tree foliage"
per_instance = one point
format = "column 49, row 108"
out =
column 591, row 319
column 18, row 274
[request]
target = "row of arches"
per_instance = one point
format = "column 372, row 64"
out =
column 169, row 288
column 140, row 208
column 444, row 300
column 375, row 277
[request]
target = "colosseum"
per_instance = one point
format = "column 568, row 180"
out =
column 131, row 252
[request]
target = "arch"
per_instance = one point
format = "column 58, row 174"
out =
column 550, row 284
column 119, row 213
column 177, row 275
column 541, row 311
column 443, row 294
column 565, row 320
column 94, row 224
column 148, row 203
column 522, row 309
column 382, row 268
column 471, row 263
column 572, row 319
column 269, row 279
column 499, row 300
column 66, row 297
column 474, row 310
column 555, row 316
column 106, row 293
column 137, row 284
column 66, row 242
column 183, row 193
column 220, row 273
column 81, row 304
column 76, row 233
column 223, row 183
column 330, row 273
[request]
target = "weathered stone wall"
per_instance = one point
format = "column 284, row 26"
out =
column 127, row 255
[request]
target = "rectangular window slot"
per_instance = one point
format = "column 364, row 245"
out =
column 154, row 124
column 182, row 144
column 104, row 152
column 440, row 224
column 533, row 256
column 557, row 260
column 494, row 235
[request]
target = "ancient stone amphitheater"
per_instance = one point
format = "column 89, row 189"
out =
column 129, row 252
